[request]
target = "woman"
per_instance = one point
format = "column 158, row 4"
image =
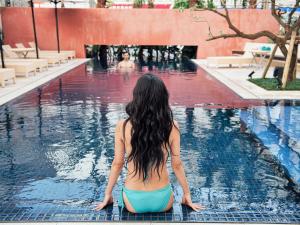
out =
column 147, row 136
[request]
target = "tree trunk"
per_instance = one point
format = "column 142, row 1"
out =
column 252, row 4
column 293, row 63
column 294, row 59
column 151, row 4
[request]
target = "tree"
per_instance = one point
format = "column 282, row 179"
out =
column 138, row 3
column 252, row 4
column 200, row 4
column 290, row 24
column 101, row 4
column 181, row 4
column 211, row 5
column 151, row 4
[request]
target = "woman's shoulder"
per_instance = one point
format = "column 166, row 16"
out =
column 175, row 125
column 120, row 123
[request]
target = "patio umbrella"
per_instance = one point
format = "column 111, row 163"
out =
column 1, row 42
column 56, row 17
column 56, row 20
column 34, row 29
column 1, row 50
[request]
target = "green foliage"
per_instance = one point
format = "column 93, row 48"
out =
column 205, row 4
column 185, row 4
column 272, row 84
column 210, row 4
column 109, row 3
column 138, row 3
column 181, row 4
column 150, row 4
column 200, row 4
column 244, row 4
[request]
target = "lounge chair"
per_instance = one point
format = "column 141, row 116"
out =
column 52, row 59
column 279, row 58
column 245, row 59
column 69, row 53
column 41, row 64
column 7, row 74
column 281, row 63
column 21, row 68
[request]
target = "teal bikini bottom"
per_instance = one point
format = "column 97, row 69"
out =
column 147, row 201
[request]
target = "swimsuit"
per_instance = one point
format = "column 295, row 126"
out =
column 147, row 201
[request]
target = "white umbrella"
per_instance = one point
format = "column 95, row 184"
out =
column 56, row 17
column 31, row 2
column 1, row 40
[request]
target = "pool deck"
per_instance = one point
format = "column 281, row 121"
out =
column 236, row 80
column 23, row 84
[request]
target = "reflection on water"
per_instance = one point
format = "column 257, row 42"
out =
column 277, row 127
column 56, row 146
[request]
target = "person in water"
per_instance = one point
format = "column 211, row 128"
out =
column 147, row 137
column 126, row 63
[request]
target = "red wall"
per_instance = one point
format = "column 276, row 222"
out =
column 131, row 27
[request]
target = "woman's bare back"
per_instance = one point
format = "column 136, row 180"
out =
column 133, row 181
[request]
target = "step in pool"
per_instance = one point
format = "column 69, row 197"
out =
column 278, row 130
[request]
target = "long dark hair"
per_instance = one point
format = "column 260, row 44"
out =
column 152, row 121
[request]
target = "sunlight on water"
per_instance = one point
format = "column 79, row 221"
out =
column 56, row 144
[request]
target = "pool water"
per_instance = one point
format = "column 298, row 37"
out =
column 56, row 149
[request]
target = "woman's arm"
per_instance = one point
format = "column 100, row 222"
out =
column 176, row 162
column 116, row 166
column 178, row 169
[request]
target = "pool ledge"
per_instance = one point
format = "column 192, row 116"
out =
column 135, row 223
column 23, row 85
column 236, row 80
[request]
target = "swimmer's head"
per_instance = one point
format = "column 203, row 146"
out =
column 125, row 55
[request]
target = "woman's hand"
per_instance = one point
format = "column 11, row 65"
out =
column 108, row 199
column 186, row 199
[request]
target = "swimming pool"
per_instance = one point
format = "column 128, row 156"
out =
column 56, row 148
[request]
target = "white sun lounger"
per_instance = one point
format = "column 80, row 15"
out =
column 246, row 59
column 7, row 74
column 39, row 63
column 51, row 59
column 281, row 63
column 279, row 60
column 21, row 68
column 70, row 53
column 64, row 56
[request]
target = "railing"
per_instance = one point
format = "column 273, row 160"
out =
column 14, row 3
column 167, row 4
column 130, row 6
